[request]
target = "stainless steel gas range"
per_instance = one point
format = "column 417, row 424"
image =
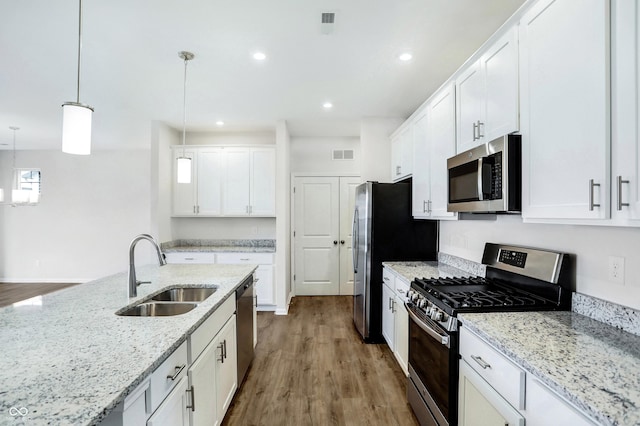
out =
column 517, row 279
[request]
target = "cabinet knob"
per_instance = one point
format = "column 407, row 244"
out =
column 341, row 241
column 335, row 242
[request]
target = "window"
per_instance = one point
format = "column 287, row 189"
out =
column 27, row 186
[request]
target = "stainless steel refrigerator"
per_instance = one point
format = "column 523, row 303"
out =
column 384, row 230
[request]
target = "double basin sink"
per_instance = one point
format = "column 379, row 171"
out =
column 172, row 301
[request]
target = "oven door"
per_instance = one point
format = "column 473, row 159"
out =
column 433, row 367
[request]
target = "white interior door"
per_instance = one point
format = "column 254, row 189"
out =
column 316, row 235
column 347, row 206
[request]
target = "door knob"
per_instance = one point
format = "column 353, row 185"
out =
column 335, row 242
column 341, row 241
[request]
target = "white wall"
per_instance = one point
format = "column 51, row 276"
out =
column 223, row 228
column 314, row 155
column 283, row 221
column 592, row 245
column 228, row 138
column 375, row 160
column 90, row 210
column 162, row 137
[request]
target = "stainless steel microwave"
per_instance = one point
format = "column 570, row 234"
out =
column 488, row 178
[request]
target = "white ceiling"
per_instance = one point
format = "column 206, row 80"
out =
column 131, row 72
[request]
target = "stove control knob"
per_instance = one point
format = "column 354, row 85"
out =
column 422, row 303
column 415, row 296
column 436, row 314
column 409, row 293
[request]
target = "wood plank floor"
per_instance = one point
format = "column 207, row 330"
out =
column 15, row 292
column 311, row 368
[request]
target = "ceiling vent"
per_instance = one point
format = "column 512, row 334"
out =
column 343, row 154
column 327, row 22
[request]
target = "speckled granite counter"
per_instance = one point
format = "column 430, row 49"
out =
column 592, row 364
column 220, row 246
column 411, row 270
column 70, row 360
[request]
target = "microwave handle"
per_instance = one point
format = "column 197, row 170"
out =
column 480, row 180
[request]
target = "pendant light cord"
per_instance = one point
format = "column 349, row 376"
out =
column 79, row 50
column 14, row 146
column 184, row 108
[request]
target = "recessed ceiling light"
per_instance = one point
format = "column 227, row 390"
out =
column 405, row 57
column 219, row 123
column 327, row 105
column 259, row 56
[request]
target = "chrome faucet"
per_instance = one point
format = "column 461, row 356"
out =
column 133, row 282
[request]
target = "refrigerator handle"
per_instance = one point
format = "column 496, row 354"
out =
column 354, row 241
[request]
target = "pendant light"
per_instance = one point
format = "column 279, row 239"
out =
column 184, row 163
column 76, row 116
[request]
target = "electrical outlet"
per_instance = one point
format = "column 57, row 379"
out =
column 616, row 269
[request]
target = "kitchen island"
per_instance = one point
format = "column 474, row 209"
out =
column 68, row 359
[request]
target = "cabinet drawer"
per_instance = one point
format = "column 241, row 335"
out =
column 388, row 278
column 402, row 287
column 165, row 377
column 503, row 375
column 190, row 257
column 256, row 258
column 201, row 337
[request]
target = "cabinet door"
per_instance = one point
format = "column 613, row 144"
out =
column 480, row 404
column 388, row 326
column 237, row 182
column 210, row 177
column 264, row 287
column 173, row 410
column 565, row 110
column 263, row 182
column 470, row 95
column 421, row 184
column 396, row 157
column 202, row 378
column 226, row 367
column 401, row 323
column 545, row 407
column 184, row 194
column 441, row 136
column 406, row 155
column 500, row 69
column 625, row 74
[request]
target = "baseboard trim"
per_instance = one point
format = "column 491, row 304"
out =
column 285, row 310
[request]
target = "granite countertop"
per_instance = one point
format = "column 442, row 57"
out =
column 220, row 246
column 69, row 360
column 592, row 364
column 411, row 270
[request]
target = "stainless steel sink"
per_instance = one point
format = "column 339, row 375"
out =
column 155, row 309
column 189, row 294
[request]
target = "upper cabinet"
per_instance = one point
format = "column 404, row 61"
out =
column 564, row 106
column 227, row 181
column 402, row 154
column 625, row 75
column 487, row 94
column 434, row 141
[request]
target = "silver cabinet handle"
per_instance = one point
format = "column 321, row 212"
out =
column 591, row 186
column 178, row 370
column 481, row 362
column 224, row 345
column 480, row 135
column 475, row 128
column 245, row 259
column 393, row 306
column 192, row 391
column 424, row 203
column 194, row 209
column 620, row 203
column 221, row 346
column 428, row 206
column 398, row 170
column 385, row 278
column 188, row 258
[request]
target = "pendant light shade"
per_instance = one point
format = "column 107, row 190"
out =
column 183, row 166
column 1, row 195
column 76, row 128
column 76, row 117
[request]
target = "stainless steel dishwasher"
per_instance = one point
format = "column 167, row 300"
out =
column 244, row 326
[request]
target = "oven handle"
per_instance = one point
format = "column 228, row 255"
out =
column 443, row 340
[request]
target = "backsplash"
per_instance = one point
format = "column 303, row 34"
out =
column 469, row 266
column 218, row 243
column 618, row 316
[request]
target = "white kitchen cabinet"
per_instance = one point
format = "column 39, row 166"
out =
column 226, row 367
column 543, row 404
column 401, row 324
column 250, row 182
column 402, row 154
column 265, row 289
column 564, row 105
column 625, row 113
column 173, row 411
column 202, row 378
column 203, row 195
column 487, row 94
column 434, row 142
column 388, row 318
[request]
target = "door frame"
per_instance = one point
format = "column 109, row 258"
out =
column 292, row 224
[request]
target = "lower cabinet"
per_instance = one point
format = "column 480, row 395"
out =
column 173, row 411
column 388, row 318
column 395, row 318
column 492, row 391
